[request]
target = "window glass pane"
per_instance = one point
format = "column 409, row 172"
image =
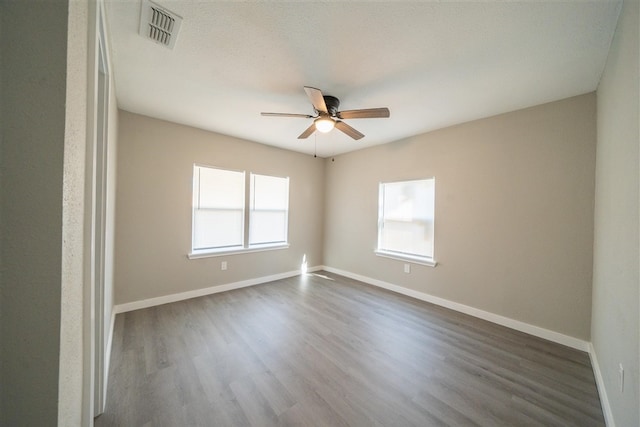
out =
column 269, row 209
column 406, row 217
column 221, row 189
column 217, row 229
column 218, row 208
column 268, row 227
column 270, row 192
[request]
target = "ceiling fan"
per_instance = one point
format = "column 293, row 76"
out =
column 327, row 115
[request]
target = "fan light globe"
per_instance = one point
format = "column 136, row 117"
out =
column 324, row 124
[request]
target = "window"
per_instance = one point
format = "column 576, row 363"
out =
column 220, row 220
column 406, row 219
column 269, row 210
column 218, row 208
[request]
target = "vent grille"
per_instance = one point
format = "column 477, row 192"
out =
column 159, row 24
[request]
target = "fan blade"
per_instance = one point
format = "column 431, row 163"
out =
column 342, row 126
column 369, row 113
column 305, row 116
column 308, row 132
column 316, row 98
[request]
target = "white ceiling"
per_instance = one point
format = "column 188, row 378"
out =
column 434, row 64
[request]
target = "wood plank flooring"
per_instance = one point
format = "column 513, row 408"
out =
column 324, row 350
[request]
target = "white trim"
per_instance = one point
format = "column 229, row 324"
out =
column 208, row 253
column 475, row 312
column 107, row 361
column 430, row 262
column 602, row 391
column 152, row 302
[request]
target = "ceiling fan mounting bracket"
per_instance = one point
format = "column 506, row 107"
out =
column 332, row 104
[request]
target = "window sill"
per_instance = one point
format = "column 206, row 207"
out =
column 430, row 262
column 204, row 253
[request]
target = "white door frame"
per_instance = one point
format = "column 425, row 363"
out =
column 95, row 228
column 99, row 226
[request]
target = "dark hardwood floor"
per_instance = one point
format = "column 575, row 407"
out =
column 331, row 351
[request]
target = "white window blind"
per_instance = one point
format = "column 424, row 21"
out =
column 269, row 209
column 218, row 208
column 406, row 218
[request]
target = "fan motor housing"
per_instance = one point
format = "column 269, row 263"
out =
column 332, row 104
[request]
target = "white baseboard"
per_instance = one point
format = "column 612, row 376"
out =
column 481, row 314
column 472, row 311
column 602, row 391
column 166, row 299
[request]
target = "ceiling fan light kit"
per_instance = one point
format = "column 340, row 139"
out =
column 324, row 124
column 327, row 115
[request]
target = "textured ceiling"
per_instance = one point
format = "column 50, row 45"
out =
column 434, row 64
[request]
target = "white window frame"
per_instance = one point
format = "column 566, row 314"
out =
column 245, row 247
column 402, row 255
column 253, row 210
column 197, row 195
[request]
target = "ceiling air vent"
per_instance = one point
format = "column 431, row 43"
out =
column 159, row 24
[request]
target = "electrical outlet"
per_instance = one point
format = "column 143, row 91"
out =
column 407, row 268
column 621, row 378
column 223, row 265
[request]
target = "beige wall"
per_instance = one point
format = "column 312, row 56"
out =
column 153, row 216
column 32, row 111
column 616, row 280
column 514, row 213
